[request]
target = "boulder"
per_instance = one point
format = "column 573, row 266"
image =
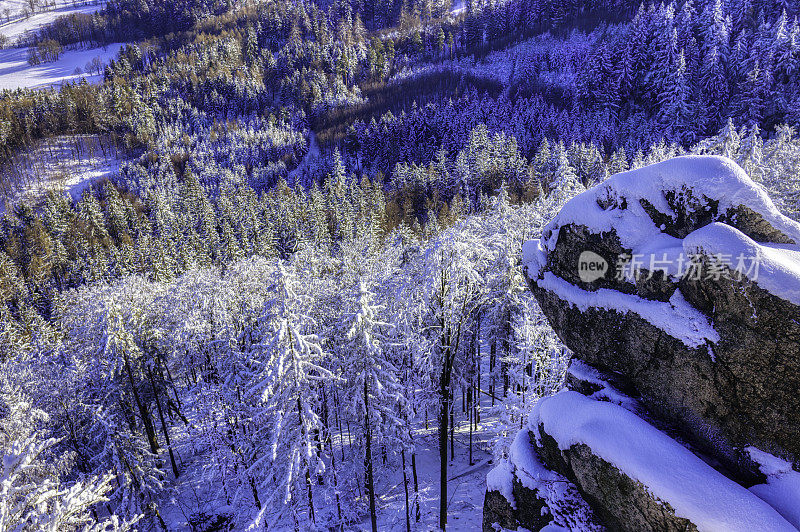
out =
column 636, row 477
column 527, row 512
column 522, row 492
column 677, row 287
column 683, row 279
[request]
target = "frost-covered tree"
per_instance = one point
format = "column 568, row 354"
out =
column 33, row 493
column 374, row 389
column 289, row 373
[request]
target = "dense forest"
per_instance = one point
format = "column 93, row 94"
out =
column 309, row 258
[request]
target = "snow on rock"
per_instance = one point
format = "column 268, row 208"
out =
column 527, row 466
column 501, row 479
column 580, row 374
column 676, row 317
column 669, row 471
column 782, row 490
column 16, row 73
column 561, row 496
column 715, row 185
column 710, row 177
column 773, row 267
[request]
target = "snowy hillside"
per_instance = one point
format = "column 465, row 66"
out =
column 15, row 24
column 71, row 66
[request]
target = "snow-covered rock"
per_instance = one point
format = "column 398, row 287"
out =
column 522, row 492
column 691, row 292
column 677, row 287
column 638, row 476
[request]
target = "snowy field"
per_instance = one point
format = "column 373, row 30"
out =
column 16, row 25
column 70, row 163
column 16, row 73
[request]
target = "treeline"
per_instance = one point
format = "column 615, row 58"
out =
column 162, row 230
column 27, row 115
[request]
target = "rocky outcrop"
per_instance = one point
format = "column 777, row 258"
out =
column 677, row 287
column 529, row 510
column 522, row 492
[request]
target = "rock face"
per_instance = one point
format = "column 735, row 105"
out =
column 735, row 383
column 680, row 284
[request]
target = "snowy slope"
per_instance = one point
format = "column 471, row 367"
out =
column 69, row 163
column 19, row 26
column 16, row 73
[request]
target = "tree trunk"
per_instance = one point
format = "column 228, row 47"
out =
column 310, row 497
column 311, row 514
column 452, row 435
column 164, row 428
column 444, row 417
column 405, row 487
column 471, row 417
column 255, row 491
column 492, row 362
column 146, row 420
column 336, row 486
column 414, row 476
column 368, row 460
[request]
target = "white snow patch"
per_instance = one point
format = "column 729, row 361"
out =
column 68, row 163
column 584, row 372
column 501, row 479
column 458, row 7
column 669, row 471
column 714, row 177
column 18, row 26
column 773, row 267
column 676, row 317
column 530, row 471
column 533, row 257
column 16, row 73
column 782, row 490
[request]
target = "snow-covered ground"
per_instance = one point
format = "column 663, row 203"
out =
column 69, row 162
column 16, row 73
column 18, row 25
column 552, row 60
column 466, row 484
